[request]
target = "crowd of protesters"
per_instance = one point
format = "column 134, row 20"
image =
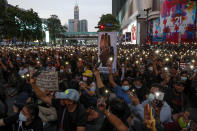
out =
column 154, row 88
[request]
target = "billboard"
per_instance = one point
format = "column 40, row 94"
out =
column 176, row 24
column 107, row 50
column 132, row 29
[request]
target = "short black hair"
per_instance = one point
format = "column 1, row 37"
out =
column 33, row 109
column 125, row 80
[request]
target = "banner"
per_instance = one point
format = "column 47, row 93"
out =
column 177, row 21
column 107, row 50
column 48, row 81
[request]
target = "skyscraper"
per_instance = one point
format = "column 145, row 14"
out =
column 83, row 25
column 71, row 25
column 76, row 18
column 76, row 12
column 76, row 25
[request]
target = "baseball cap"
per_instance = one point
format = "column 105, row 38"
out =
column 88, row 73
column 70, row 94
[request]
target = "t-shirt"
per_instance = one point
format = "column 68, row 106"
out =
column 177, row 103
column 121, row 94
column 71, row 120
column 36, row 125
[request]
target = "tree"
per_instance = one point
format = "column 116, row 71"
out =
column 25, row 25
column 54, row 26
column 3, row 4
column 107, row 20
column 30, row 25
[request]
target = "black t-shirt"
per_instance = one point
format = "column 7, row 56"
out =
column 178, row 103
column 71, row 120
column 36, row 125
column 141, row 93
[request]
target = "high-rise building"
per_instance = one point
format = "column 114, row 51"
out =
column 76, row 12
column 76, row 18
column 71, row 25
column 83, row 25
column 76, row 25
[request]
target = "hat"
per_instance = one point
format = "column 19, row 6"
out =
column 21, row 99
column 88, row 73
column 70, row 94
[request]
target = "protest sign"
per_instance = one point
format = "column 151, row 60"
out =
column 107, row 50
column 48, row 81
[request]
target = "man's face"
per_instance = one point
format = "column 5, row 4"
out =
column 125, row 83
column 153, row 90
column 179, row 88
column 68, row 102
column 26, row 113
column 173, row 71
column 137, row 83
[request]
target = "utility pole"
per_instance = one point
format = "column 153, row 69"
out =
column 147, row 13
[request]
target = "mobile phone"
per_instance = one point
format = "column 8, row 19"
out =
column 98, row 64
column 37, row 73
column 133, row 92
column 101, row 101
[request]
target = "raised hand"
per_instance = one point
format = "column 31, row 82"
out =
column 149, row 121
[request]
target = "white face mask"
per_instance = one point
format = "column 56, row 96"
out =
column 183, row 78
column 85, row 78
column 150, row 68
column 61, row 71
column 22, row 117
column 125, row 88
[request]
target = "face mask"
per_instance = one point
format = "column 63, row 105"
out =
column 150, row 68
column 183, row 78
column 85, row 78
column 22, row 117
column 61, row 71
column 125, row 88
column 151, row 97
column 138, row 87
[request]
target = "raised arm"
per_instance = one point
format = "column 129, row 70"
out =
column 114, row 120
column 41, row 95
column 98, row 79
column 155, row 66
column 111, row 80
column 2, row 122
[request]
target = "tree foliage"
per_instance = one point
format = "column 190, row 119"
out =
column 54, row 26
column 109, row 19
column 25, row 25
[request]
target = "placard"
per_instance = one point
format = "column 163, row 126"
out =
column 107, row 49
column 48, row 81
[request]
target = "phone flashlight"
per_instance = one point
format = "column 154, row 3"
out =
column 67, row 62
column 192, row 67
column 167, row 59
column 111, row 58
column 166, row 68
